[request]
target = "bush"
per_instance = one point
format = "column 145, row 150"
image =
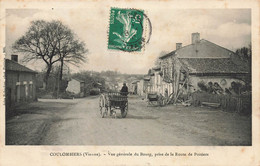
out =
column 44, row 94
column 202, row 86
column 236, row 86
column 94, row 91
column 67, row 95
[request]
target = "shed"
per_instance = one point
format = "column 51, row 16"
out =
column 76, row 86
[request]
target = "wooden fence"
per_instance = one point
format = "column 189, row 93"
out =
column 230, row 103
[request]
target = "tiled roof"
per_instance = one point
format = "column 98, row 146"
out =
column 14, row 66
column 167, row 55
column 202, row 49
column 211, row 65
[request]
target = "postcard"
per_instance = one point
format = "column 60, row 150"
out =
column 129, row 82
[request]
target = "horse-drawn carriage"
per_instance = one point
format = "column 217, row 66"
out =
column 109, row 102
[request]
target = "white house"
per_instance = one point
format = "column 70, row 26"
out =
column 76, row 86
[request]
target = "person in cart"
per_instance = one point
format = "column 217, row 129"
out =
column 124, row 90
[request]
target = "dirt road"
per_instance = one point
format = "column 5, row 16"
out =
column 79, row 123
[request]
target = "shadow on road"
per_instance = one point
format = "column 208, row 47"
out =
column 140, row 117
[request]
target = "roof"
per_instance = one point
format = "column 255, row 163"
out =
column 211, row 65
column 14, row 66
column 157, row 68
column 135, row 82
column 167, row 55
column 147, row 78
column 202, row 49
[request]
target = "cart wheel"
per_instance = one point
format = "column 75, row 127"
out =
column 124, row 111
column 102, row 107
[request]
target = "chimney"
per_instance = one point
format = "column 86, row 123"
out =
column 195, row 37
column 14, row 58
column 178, row 46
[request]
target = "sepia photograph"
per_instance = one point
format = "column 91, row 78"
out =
column 125, row 75
column 194, row 91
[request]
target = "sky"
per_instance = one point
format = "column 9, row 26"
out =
column 230, row 28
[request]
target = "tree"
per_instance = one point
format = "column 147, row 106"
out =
column 46, row 41
column 69, row 49
column 245, row 53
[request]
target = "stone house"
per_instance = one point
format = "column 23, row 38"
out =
column 144, row 86
column 155, row 80
column 20, row 83
column 133, row 87
column 140, row 85
column 201, row 62
column 76, row 86
column 147, row 84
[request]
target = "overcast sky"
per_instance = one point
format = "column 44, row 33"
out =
column 230, row 28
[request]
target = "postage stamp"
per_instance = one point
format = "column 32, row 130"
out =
column 126, row 29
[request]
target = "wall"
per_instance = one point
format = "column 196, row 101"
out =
column 10, row 87
column 133, row 88
column 20, row 87
column 167, row 66
column 168, row 87
column 140, row 87
column 152, row 89
column 157, row 82
column 230, row 103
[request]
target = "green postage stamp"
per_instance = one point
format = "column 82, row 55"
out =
column 126, row 29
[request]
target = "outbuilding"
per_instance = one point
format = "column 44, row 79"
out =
column 76, row 86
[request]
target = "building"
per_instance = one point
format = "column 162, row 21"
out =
column 140, row 87
column 76, row 86
column 133, row 87
column 20, row 83
column 143, row 86
column 156, row 81
column 201, row 62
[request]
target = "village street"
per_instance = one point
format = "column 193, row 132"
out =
column 78, row 122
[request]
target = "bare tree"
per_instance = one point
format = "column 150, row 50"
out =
column 69, row 49
column 50, row 42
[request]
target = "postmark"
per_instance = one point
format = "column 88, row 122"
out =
column 127, row 30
